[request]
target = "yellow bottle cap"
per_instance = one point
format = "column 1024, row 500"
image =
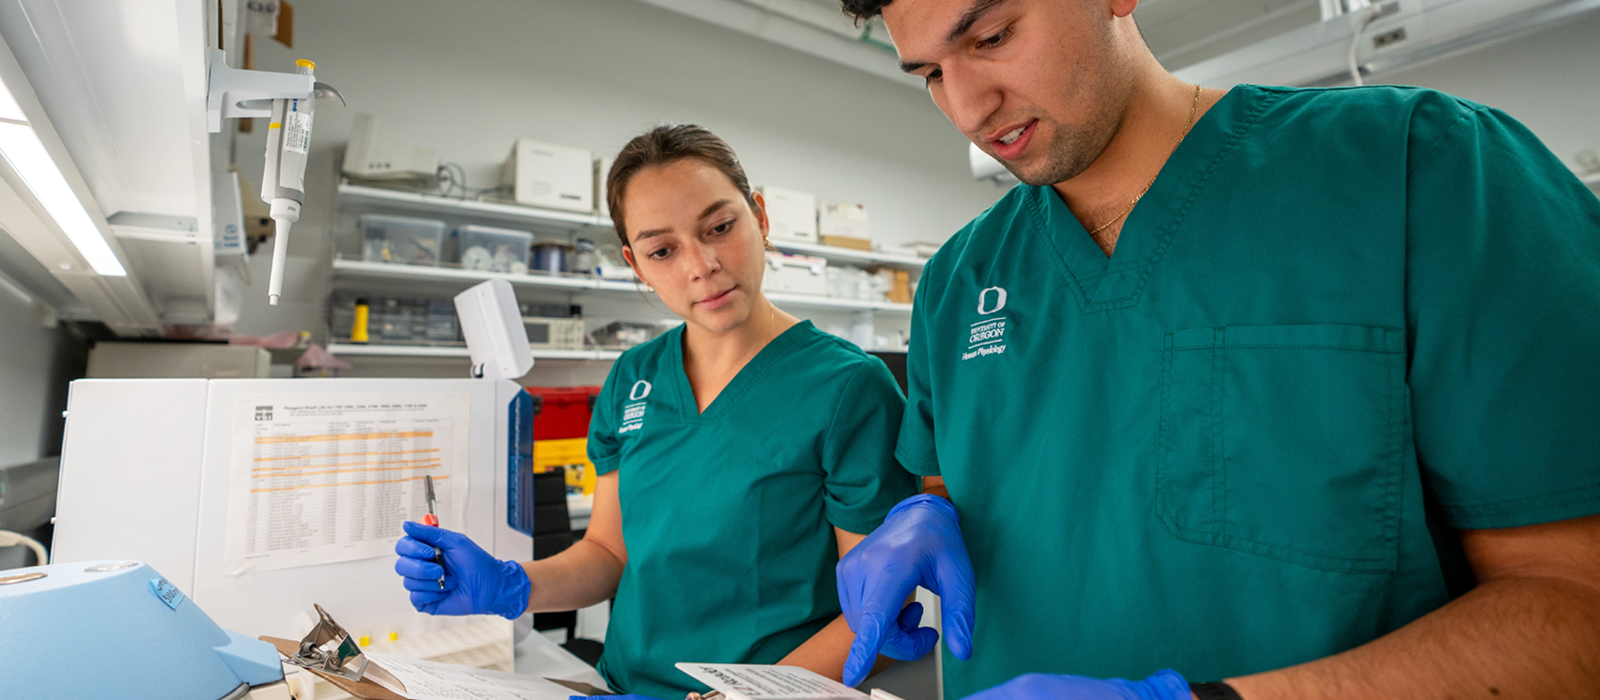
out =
column 303, row 63
column 394, row 636
column 365, row 640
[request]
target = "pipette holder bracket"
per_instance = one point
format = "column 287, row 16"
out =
column 233, row 93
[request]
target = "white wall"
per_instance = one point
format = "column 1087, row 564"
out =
column 1548, row 80
column 469, row 77
column 27, row 378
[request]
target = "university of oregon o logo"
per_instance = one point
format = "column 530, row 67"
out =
column 641, row 388
column 999, row 300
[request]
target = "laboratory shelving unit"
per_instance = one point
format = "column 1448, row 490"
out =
column 446, row 279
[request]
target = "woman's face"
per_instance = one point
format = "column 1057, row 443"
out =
column 694, row 238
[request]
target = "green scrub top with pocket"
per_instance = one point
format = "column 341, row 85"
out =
column 1341, row 323
column 728, row 515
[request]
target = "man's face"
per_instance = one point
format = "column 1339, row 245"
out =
column 1035, row 83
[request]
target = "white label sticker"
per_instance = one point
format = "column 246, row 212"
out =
column 296, row 129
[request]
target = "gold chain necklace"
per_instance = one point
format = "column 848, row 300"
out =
column 1193, row 109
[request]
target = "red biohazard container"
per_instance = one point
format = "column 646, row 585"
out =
column 563, row 411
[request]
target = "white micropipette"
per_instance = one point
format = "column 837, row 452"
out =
column 284, row 182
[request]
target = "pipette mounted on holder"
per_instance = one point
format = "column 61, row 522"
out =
column 289, row 100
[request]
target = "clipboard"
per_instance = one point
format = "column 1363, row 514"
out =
column 364, row 689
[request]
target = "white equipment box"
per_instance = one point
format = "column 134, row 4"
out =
column 550, row 176
column 792, row 214
column 602, row 172
column 795, row 274
column 258, row 498
column 842, row 219
column 198, row 360
column 378, row 152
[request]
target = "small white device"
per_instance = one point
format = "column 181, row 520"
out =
column 492, row 325
column 791, row 214
column 378, row 152
column 795, row 274
column 553, row 333
column 546, row 175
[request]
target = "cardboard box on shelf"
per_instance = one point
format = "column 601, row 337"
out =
column 793, row 214
column 848, row 242
column 842, row 219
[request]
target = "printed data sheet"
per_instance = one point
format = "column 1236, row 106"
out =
column 426, row 680
column 326, row 477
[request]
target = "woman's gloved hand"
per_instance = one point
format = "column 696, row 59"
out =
column 1164, row 685
column 474, row 582
column 918, row 544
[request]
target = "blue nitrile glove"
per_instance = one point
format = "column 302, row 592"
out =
column 474, row 582
column 918, row 544
column 1164, row 685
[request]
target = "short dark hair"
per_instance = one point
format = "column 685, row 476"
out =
column 863, row 10
column 664, row 145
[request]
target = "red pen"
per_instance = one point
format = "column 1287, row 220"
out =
column 433, row 520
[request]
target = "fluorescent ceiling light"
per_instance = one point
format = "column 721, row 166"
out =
column 22, row 149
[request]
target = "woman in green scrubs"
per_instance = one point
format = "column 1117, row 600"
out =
column 739, row 455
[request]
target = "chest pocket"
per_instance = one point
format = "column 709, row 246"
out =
column 1285, row 442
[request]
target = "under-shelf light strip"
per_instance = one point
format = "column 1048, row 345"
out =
column 22, row 149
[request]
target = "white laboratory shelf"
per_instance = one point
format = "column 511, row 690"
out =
column 451, row 207
column 426, row 351
column 814, row 302
column 361, row 196
column 455, row 279
column 850, row 255
column 395, row 350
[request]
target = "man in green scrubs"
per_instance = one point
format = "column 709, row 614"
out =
column 1296, row 388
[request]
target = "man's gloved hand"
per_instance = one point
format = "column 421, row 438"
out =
column 1164, row 685
column 919, row 544
column 474, row 582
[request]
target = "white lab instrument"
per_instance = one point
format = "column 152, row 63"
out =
column 795, row 274
column 491, row 323
column 311, row 477
column 96, row 629
column 792, row 214
column 378, row 152
column 550, row 176
column 553, row 333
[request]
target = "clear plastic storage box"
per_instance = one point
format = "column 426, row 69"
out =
column 400, row 239
column 494, row 249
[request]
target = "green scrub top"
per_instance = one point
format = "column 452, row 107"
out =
column 1340, row 321
column 728, row 515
